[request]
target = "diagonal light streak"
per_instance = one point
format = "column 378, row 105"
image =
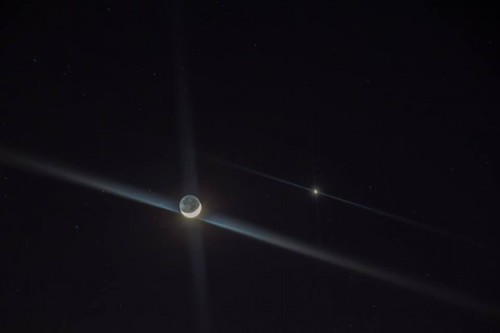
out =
column 96, row 183
column 355, row 204
column 293, row 245
column 253, row 231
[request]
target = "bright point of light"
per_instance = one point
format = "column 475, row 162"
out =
column 315, row 191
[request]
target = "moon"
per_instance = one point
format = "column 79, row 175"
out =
column 190, row 206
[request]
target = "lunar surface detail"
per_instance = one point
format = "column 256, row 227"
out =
column 190, row 206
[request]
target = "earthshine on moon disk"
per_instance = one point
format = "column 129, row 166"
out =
column 190, row 206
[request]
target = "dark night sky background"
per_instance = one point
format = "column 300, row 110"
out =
column 392, row 104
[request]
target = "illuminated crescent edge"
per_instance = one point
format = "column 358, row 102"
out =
column 193, row 214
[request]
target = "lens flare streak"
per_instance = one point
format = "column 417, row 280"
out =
column 105, row 186
column 317, row 193
column 251, row 231
column 275, row 239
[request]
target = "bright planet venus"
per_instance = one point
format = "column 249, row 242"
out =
column 190, row 206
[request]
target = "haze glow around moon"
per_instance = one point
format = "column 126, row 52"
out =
column 190, row 206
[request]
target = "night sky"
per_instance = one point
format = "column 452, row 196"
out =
column 389, row 104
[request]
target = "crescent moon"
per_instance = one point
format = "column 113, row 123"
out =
column 192, row 214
